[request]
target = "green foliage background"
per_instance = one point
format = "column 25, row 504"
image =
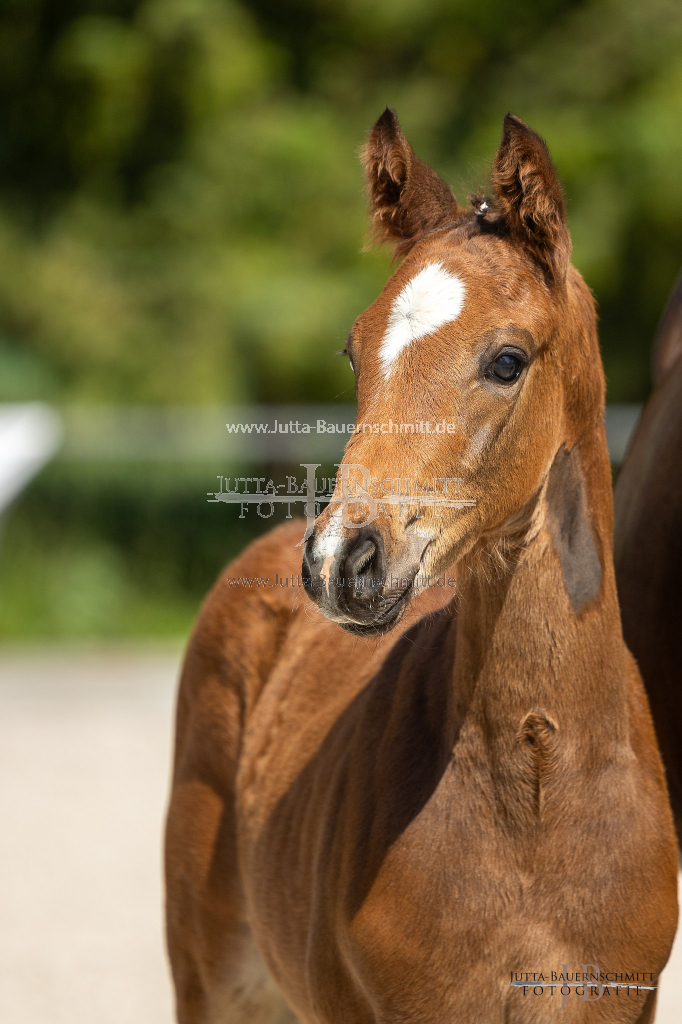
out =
column 182, row 213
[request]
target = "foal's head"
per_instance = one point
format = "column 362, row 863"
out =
column 477, row 370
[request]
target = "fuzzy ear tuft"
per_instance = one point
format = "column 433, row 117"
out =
column 406, row 197
column 529, row 198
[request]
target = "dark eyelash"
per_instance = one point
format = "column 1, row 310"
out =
column 342, row 352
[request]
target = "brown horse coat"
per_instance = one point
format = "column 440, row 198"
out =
column 395, row 825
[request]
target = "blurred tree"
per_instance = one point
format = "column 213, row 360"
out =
column 182, row 215
column 181, row 208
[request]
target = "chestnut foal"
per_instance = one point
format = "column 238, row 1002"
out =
column 407, row 826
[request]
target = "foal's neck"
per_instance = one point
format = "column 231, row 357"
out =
column 520, row 643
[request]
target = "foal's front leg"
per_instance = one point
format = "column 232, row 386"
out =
column 218, row 973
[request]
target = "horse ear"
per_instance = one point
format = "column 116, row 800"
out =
column 528, row 197
column 406, row 197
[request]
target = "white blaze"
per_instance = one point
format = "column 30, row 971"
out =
column 329, row 540
column 432, row 298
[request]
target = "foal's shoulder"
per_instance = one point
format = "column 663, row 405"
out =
column 246, row 614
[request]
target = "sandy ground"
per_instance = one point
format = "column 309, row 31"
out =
column 84, row 759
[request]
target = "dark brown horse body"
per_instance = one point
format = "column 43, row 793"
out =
column 408, row 825
column 648, row 546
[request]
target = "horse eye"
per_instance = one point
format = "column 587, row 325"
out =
column 506, row 368
column 346, row 353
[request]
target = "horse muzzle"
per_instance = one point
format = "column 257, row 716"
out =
column 346, row 576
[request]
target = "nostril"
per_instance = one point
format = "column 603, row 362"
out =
column 359, row 562
column 348, row 581
column 363, row 571
column 362, row 558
